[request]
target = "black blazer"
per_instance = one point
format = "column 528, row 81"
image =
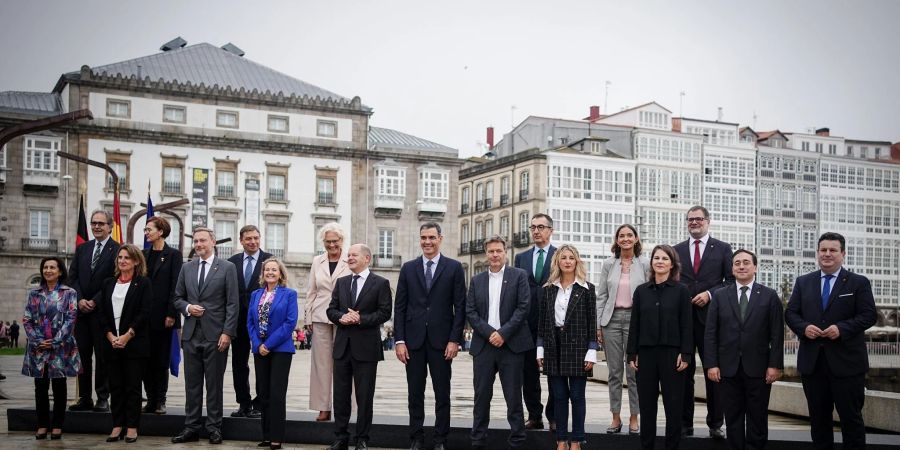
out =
column 515, row 303
column 439, row 313
column 715, row 270
column 525, row 261
column 89, row 282
column 163, row 278
column 135, row 315
column 851, row 307
column 243, row 291
column 661, row 317
column 374, row 307
column 578, row 333
column 755, row 343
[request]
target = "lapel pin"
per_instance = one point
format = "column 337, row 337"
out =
column 163, row 259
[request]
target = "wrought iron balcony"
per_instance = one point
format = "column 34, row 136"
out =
column 39, row 245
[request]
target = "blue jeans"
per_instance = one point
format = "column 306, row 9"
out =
column 566, row 389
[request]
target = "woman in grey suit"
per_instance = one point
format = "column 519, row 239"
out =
column 620, row 275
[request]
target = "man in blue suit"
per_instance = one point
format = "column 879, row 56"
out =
column 536, row 264
column 429, row 315
column 830, row 310
column 497, row 307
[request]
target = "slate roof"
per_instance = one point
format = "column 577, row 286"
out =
column 30, row 102
column 385, row 137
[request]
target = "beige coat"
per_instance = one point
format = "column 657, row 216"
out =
column 321, row 282
column 608, row 284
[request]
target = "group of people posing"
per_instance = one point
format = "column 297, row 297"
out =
column 650, row 313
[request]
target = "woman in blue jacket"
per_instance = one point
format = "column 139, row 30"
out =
column 271, row 320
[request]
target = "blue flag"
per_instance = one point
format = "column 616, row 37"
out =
column 175, row 354
column 149, row 215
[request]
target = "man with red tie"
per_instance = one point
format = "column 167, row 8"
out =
column 705, row 267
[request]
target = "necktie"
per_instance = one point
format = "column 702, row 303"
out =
column 429, row 277
column 539, row 267
column 202, row 275
column 353, row 289
column 248, row 272
column 744, row 302
column 696, row 256
column 96, row 255
column 826, row 291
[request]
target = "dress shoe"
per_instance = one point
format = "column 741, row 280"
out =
column 241, row 412
column 116, row 438
column 149, row 408
column 55, row 436
column 102, row 406
column 338, row 445
column 717, row 434
column 277, row 447
column 534, row 425
column 254, row 414
column 687, row 431
column 362, row 445
column 439, row 446
column 84, row 404
column 160, row 409
column 215, row 437
column 324, row 416
column 417, row 445
column 40, row 436
column 264, row 444
column 130, row 440
column 614, row 430
column 186, row 436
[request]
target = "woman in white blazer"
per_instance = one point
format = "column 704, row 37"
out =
column 620, row 275
column 325, row 269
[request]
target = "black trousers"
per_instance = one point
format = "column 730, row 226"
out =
column 350, row 374
column 240, row 365
column 746, row 402
column 487, row 365
column 656, row 368
column 826, row 392
column 125, row 388
column 156, row 377
column 715, row 416
column 42, row 402
column 272, row 372
column 531, row 387
column 423, row 361
column 87, row 336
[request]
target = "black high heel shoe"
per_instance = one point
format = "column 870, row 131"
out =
column 55, row 437
column 120, row 437
column 40, row 436
column 130, row 440
column 614, row 430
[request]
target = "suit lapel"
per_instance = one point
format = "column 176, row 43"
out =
column 735, row 303
column 213, row 270
column 545, row 272
column 367, row 286
column 529, row 264
column 839, row 282
column 420, row 273
column 756, row 302
column 438, row 272
column 485, row 289
column 574, row 297
column 707, row 252
column 685, row 255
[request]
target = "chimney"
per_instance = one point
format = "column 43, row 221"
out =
column 720, row 115
column 490, row 138
column 823, row 132
column 595, row 114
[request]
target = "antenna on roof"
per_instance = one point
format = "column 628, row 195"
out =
column 174, row 44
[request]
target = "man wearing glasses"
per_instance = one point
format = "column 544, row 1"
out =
column 536, row 262
column 705, row 267
column 94, row 262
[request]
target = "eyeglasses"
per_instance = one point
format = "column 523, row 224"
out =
column 98, row 224
column 332, row 242
column 539, row 228
column 695, row 219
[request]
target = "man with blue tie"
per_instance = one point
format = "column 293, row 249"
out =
column 536, row 263
column 429, row 316
column 830, row 310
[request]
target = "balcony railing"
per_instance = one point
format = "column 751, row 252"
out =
column 325, row 198
column 276, row 252
column 225, row 191
column 464, row 209
column 788, row 175
column 171, row 187
column 523, row 195
column 39, row 245
column 276, row 194
column 477, row 246
column 464, row 248
column 388, row 261
column 488, row 203
column 479, row 205
column 225, row 251
column 521, row 239
column 504, row 199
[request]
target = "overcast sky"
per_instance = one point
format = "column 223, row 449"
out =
column 444, row 71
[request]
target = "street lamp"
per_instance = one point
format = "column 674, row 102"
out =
column 65, row 245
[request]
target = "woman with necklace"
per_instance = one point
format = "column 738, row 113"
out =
column 51, row 353
column 620, row 275
column 124, row 306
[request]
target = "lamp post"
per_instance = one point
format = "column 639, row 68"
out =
column 65, row 245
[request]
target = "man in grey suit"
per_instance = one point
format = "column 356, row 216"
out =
column 207, row 294
column 497, row 307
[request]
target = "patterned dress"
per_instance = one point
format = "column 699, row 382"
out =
column 51, row 315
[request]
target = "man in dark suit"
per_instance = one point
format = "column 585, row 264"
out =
column 830, row 310
column 745, row 351
column 536, row 263
column 94, row 262
column 428, row 325
column 705, row 267
column 207, row 294
column 248, row 264
column 360, row 304
column 497, row 307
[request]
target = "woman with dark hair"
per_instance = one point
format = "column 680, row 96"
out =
column 163, row 267
column 566, row 341
column 51, row 353
column 620, row 275
column 660, row 341
column 124, row 306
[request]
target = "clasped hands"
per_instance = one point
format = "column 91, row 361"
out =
column 118, row 341
column 350, row 318
column 814, row 332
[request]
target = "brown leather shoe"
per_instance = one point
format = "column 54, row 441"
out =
column 534, row 425
column 324, row 416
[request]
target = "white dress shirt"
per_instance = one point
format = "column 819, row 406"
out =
column 359, row 282
column 560, row 306
column 703, row 242
column 749, row 290
column 252, row 263
column 831, row 282
column 495, row 286
column 118, row 301
column 425, row 260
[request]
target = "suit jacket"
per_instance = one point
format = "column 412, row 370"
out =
column 755, row 343
column 578, row 333
column 715, row 270
column 525, row 261
column 135, row 315
column 219, row 296
column 437, row 314
column 362, row 340
column 608, row 284
column 321, row 283
column 282, row 321
column 851, row 307
column 163, row 279
column 515, row 303
column 243, row 290
column 88, row 282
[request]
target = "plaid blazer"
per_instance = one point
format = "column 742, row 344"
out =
column 578, row 333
